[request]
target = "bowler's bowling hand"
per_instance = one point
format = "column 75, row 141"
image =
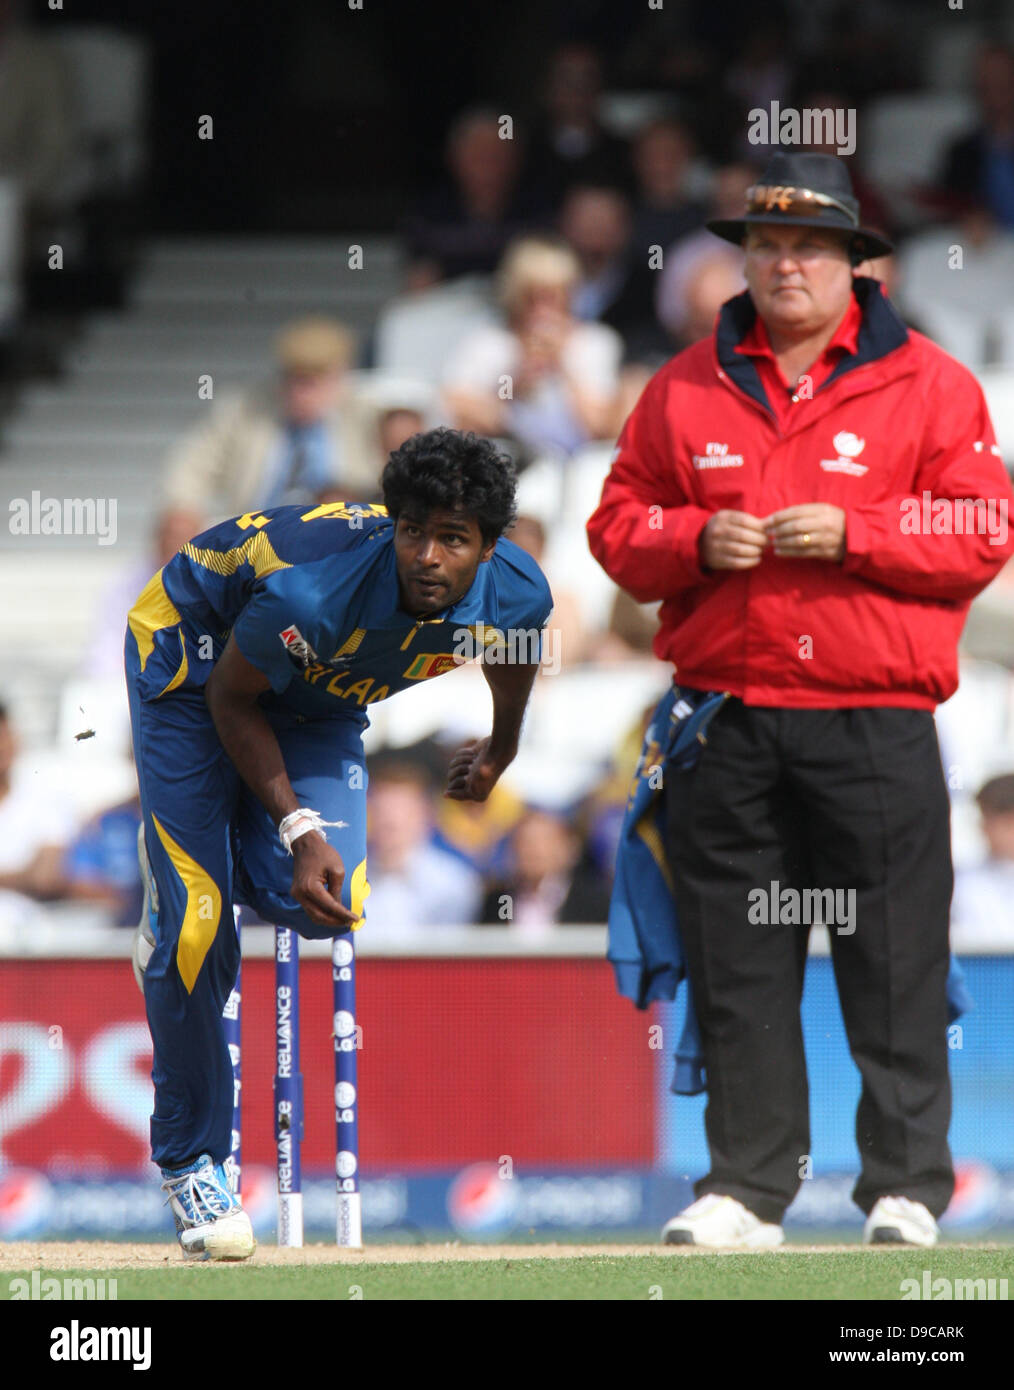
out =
column 812, row 531
column 317, row 882
column 474, row 771
column 732, row 541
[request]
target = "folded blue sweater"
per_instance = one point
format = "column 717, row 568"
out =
column 644, row 948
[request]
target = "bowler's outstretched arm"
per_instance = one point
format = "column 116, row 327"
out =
column 477, row 767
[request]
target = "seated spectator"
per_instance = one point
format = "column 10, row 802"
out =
column 37, row 128
column 685, row 258
column 395, row 425
column 541, row 378
column 760, row 73
column 464, row 226
column 391, row 409
column 631, row 631
column 617, row 284
column 710, row 284
column 981, row 911
column 474, row 832
column 702, row 283
column 413, row 883
column 549, row 881
column 477, row 832
column 284, row 441
column 566, row 622
column 37, row 111
column 978, row 169
column 568, row 143
column 663, row 211
column 35, row 826
column 101, row 864
column 606, row 805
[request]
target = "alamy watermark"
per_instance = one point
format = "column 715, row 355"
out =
column 513, row 646
column 47, row 1288
column 955, row 516
column 945, row 1289
column 786, row 125
column 810, row 907
column 84, row 1343
column 64, row 516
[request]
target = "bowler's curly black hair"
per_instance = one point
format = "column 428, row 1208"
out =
column 446, row 470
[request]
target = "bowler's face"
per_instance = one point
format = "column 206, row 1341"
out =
column 799, row 278
column 437, row 557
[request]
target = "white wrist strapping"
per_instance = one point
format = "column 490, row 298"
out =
column 299, row 822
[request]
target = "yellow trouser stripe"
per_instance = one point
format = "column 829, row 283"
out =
column 203, row 911
column 153, row 610
column 359, row 890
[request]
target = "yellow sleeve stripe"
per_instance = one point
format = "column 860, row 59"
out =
column 203, row 910
column 153, row 611
column 182, row 670
column 257, row 550
column 351, row 644
column 343, row 511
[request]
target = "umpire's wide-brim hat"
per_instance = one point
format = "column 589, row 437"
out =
column 805, row 190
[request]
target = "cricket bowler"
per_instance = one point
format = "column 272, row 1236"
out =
column 252, row 660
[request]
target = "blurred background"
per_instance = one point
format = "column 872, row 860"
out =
column 245, row 254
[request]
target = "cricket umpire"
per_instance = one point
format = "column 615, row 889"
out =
column 815, row 495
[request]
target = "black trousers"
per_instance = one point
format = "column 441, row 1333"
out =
column 848, row 799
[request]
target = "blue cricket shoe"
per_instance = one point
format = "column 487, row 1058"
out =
column 210, row 1223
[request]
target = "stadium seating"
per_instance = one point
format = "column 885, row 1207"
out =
column 130, row 390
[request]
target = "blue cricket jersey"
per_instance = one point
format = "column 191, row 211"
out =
column 312, row 599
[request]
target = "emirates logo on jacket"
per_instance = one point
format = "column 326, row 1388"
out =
column 717, row 456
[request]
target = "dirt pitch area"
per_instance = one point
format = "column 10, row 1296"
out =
column 111, row 1255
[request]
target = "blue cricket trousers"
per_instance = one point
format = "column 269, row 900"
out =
column 211, row 843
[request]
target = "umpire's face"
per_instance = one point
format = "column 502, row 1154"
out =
column 799, row 278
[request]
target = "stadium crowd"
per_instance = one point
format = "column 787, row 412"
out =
column 558, row 264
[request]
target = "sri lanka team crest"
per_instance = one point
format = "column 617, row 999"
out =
column 428, row 664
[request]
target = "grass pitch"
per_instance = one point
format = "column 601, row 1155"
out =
column 484, row 1273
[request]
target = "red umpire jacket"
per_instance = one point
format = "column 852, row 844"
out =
column 898, row 436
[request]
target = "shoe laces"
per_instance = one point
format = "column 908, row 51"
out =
column 200, row 1194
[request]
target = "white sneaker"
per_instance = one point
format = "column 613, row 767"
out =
column 717, row 1220
column 900, row 1221
column 144, row 934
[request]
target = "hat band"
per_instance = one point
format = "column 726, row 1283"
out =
column 793, row 202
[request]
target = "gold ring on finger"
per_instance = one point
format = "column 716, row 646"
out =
column 806, row 538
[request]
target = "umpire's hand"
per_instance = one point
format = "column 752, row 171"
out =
column 317, row 882
column 813, row 531
column 732, row 541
